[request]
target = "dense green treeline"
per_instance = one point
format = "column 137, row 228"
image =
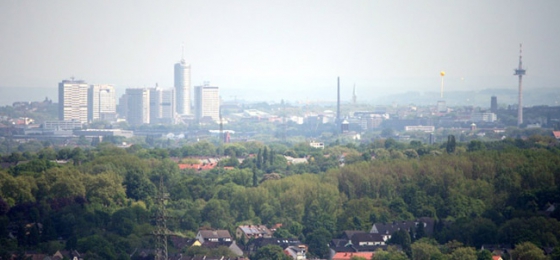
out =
column 101, row 200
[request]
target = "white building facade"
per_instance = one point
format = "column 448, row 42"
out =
column 102, row 103
column 73, row 100
column 183, row 87
column 207, row 102
column 138, row 106
column 162, row 106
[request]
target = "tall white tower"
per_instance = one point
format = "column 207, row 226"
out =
column 73, row 100
column 183, row 87
column 520, row 71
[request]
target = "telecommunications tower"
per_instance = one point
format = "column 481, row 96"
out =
column 520, row 72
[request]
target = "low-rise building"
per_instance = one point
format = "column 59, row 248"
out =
column 247, row 232
column 213, row 236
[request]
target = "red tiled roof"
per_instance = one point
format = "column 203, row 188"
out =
column 198, row 166
column 556, row 134
column 349, row 255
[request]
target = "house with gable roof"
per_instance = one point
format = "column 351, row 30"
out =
column 387, row 229
column 247, row 232
column 220, row 235
column 354, row 241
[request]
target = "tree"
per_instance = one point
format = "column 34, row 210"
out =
column 422, row 250
column 450, row 147
column 555, row 255
column 464, row 253
column 527, row 251
column 402, row 238
column 391, row 254
column 259, row 160
column 318, row 242
column 265, row 159
column 484, row 255
column 270, row 252
column 255, row 179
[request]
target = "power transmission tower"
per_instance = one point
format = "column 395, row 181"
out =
column 161, row 231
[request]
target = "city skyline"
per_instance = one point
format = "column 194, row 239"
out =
column 287, row 50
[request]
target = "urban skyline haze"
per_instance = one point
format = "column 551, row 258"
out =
column 272, row 50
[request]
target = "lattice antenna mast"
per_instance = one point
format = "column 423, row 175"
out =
column 161, row 231
column 520, row 72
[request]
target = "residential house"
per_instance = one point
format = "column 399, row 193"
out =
column 387, row 229
column 297, row 252
column 556, row 134
column 497, row 250
column 213, row 236
column 229, row 244
column 247, row 232
column 353, row 241
column 181, row 242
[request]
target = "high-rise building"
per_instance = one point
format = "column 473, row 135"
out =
column 138, row 106
column 162, row 106
column 207, row 102
column 73, row 100
column 183, row 87
column 493, row 104
column 122, row 107
column 102, row 103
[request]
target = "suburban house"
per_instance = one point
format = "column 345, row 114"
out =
column 247, row 232
column 229, row 244
column 181, row 242
column 353, row 241
column 296, row 252
column 497, row 250
column 556, row 134
column 213, row 236
column 387, row 229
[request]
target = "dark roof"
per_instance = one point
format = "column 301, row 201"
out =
column 181, row 242
column 343, row 245
column 347, row 234
column 211, row 244
column 390, row 228
column 282, row 242
column 366, row 237
column 206, row 234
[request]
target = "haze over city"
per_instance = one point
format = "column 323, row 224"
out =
column 272, row 50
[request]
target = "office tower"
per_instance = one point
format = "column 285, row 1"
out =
column 73, row 100
column 162, row 109
column 493, row 104
column 183, row 87
column 207, row 102
column 138, row 106
column 102, row 103
column 122, row 107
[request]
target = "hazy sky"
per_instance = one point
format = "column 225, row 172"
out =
column 290, row 49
